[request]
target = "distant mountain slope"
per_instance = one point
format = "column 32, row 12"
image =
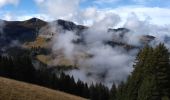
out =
column 35, row 33
column 15, row 90
column 22, row 30
column 28, row 30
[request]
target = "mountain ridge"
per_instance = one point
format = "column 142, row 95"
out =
column 35, row 33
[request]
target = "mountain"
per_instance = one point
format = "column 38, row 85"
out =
column 22, row 31
column 16, row 90
column 147, row 38
column 18, row 36
column 28, row 30
column 67, row 25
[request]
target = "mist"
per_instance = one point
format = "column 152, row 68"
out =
column 103, row 63
column 97, row 61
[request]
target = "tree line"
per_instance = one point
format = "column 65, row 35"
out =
column 150, row 79
column 22, row 69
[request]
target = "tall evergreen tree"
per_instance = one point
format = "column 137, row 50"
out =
column 150, row 79
column 134, row 81
column 162, row 69
column 113, row 92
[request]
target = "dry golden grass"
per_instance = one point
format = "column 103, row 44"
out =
column 15, row 90
column 39, row 42
column 46, row 59
column 59, row 60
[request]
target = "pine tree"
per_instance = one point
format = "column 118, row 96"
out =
column 134, row 81
column 113, row 92
column 148, row 89
column 150, row 79
column 162, row 69
column 120, row 94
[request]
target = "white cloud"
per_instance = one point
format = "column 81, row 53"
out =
column 40, row 16
column 7, row 16
column 64, row 9
column 105, row 1
column 5, row 2
column 118, row 64
column 141, row 1
column 138, row 19
column 72, row 11
column 156, row 15
column 59, row 8
column 10, row 17
column 39, row 1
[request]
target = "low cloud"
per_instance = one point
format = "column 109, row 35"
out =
column 104, row 63
column 23, row 17
column 105, row 1
column 156, row 15
column 96, row 60
column 59, row 8
column 5, row 2
column 64, row 41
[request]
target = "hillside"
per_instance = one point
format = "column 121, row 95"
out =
column 15, row 90
column 21, row 36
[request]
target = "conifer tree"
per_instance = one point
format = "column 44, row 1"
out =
column 113, row 92
column 134, row 81
column 150, row 79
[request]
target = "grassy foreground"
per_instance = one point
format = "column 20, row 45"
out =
column 15, row 90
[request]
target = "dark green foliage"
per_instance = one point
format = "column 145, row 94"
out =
column 150, row 79
column 120, row 91
column 148, row 89
column 21, row 68
column 99, row 92
column 113, row 93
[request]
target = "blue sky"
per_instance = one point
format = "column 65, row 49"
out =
column 23, row 9
column 30, row 6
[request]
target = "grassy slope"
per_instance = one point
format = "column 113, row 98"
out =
column 15, row 90
column 39, row 42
